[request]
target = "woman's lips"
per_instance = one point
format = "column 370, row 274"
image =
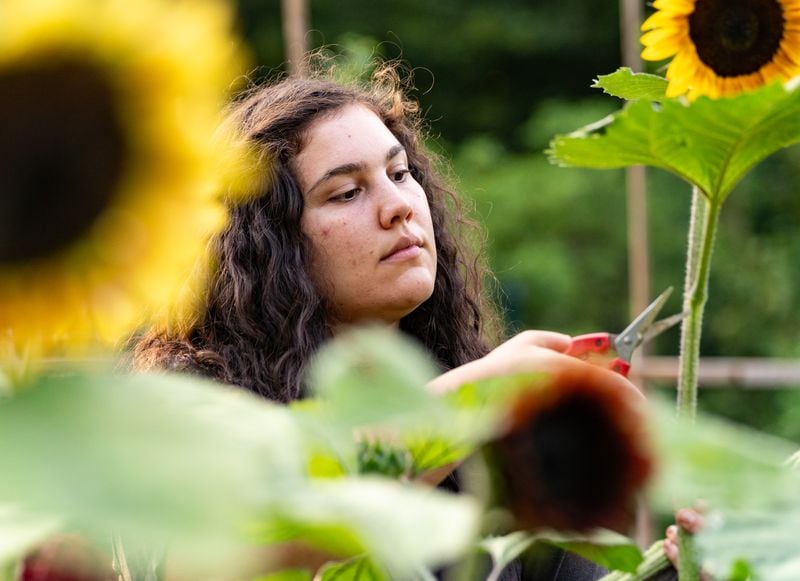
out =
column 407, row 253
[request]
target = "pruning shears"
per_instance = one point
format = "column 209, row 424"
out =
column 615, row 351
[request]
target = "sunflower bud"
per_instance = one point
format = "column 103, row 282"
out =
column 574, row 454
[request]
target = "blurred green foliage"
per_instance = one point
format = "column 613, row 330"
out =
column 497, row 80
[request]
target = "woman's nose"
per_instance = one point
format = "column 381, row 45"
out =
column 395, row 205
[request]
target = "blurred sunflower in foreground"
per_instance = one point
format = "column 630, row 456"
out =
column 111, row 164
column 574, row 455
column 723, row 47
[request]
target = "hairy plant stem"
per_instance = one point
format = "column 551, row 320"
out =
column 702, row 233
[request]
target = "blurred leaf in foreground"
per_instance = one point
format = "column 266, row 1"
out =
column 162, row 457
column 744, row 478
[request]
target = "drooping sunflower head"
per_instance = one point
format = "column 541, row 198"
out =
column 574, row 455
column 723, row 47
column 110, row 162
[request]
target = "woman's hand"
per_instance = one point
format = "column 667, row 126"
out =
column 691, row 521
column 529, row 351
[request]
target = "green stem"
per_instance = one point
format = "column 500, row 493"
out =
column 688, row 562
column 653, row 565
column 702, row 231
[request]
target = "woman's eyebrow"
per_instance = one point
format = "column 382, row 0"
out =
column 348, row 168
column 393, row 151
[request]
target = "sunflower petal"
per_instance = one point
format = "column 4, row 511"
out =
column 662, row 19
column 675, row 6
column 661, row 50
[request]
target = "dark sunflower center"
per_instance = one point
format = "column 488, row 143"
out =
column 62, row 150
column 575, row 443
column 736, row 37
column 565, row 466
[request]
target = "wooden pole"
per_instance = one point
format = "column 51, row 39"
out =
column 295, row 30
column 635, row 177
column 638, row 245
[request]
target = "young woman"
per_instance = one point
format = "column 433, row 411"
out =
column 354, row 224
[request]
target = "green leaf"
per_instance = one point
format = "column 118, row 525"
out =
column 374, row 381
column 336, row 537
column 743, row 477
column 286, row 575
column 764, row 544
column 356, row 569
column 626, row 84
column 652, row 566
column 151, row 455
column 794, row 461
column 728, row 465
column 20, row 531
column 374, row 376
column 190, row 463
column 429, row 452
column 709, row 143
column 400, row 525
column 607, row 548
column 505, row 549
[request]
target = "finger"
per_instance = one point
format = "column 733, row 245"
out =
column 567, row 364
column 671, row 551
column 547, row 339
column 672, row 533
column 689, row 519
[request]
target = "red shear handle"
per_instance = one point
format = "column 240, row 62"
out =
column 591, row 347
column 597, row 348
column 620, row 366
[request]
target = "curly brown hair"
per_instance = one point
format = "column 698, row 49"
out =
column 263, row 317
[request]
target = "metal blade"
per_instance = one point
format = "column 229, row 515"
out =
column 660, row 326
column 633, row 335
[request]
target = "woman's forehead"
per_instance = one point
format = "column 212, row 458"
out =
column 353, row 134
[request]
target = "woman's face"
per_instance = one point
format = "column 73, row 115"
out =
column 368, row 220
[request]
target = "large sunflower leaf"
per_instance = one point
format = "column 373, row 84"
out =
column 159, row 457
column 744, row 478
column 710, row 143
column 763, row 542
column 374, row 376
column 190, row 462
column 373, row 382
column 626, row 84
column 403, row 527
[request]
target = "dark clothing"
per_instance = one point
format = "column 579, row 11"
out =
column 540, row 563
column 551, row 564
column 543, row 562
column 559, row 565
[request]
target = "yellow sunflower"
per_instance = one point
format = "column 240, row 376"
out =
column 723, row 47
column 111, row 162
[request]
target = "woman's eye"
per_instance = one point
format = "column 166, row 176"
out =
column 346, row 196
column 400, row 175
